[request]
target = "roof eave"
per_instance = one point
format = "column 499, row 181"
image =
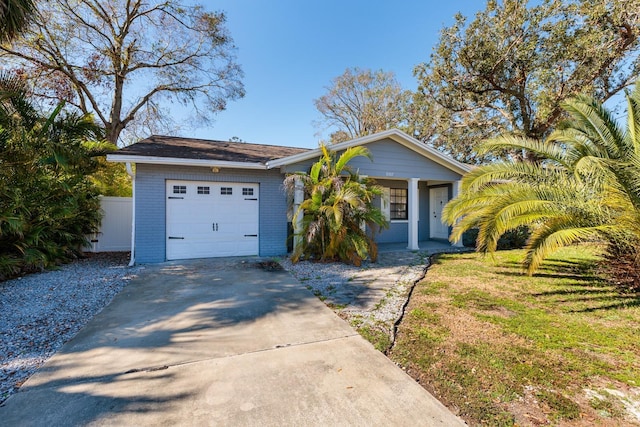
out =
column 152, row 160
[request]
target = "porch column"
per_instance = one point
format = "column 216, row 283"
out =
column 298, row 198
column 456, row 192
column 413, row 214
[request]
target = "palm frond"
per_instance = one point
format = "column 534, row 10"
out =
column 562, row 231
column 337, row 202
column 594, row 120
column 547, row 149
column 350, row 154
column 585, row 184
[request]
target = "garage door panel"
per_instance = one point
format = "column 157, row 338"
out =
column 211, row 219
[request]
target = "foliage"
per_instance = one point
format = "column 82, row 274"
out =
column 338, row 205
column 505, row 349
column 585, row 186
column 510, row 68
column 362, row 102
column 15, row 16
column 111, row 179
column 511, row 239
column 47, row 203
column 120, row 59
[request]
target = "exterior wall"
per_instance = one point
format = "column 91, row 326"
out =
column 392, row 160
column 150, row 239
column 299, row 167
column 396, row 233
column 423, row 221
column 392, row 164
column 398, row 229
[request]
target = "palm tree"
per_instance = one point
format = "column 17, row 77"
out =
column 585, row 185
column 337, row 210
column 47, row 204
column 15, row 16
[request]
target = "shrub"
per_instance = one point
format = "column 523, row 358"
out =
column 512, row 239
column 47, row 203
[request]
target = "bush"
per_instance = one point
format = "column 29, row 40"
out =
column 337, row 203
column 47, row 202
column 512, row 239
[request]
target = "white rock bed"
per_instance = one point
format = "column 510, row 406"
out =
column 326, row 280
column 40, row 312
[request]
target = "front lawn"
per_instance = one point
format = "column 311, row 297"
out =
column 501, row 348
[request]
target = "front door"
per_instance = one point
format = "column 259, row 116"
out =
column 438, row 197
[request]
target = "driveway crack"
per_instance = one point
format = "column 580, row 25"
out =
column 262, row 350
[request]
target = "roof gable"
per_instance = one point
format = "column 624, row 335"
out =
column 392, row 134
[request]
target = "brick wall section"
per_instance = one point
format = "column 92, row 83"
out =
column 151, row 210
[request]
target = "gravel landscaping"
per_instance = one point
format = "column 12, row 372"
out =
column 40, row 312
column 371, row 297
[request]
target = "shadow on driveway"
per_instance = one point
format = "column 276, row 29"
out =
column 219, row 341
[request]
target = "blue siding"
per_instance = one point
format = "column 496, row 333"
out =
column 392, row 164
column 393, row 160
column 396, row 233
column 423, row 221
column 151, row 211
column 398, row 230
column 300, row 166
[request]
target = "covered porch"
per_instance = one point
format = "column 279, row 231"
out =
column 413, row 208
column 429, row 246
column 417, row 183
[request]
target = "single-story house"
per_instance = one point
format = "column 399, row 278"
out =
column 196, row 198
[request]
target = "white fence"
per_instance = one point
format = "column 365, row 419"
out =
column 115, row 230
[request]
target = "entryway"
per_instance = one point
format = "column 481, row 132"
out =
column 438, row 198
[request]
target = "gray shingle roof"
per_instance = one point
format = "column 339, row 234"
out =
column 202, row 149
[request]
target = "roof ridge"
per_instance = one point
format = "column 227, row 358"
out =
column 187, row 138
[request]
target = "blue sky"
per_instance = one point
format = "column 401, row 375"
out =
column 291, row 49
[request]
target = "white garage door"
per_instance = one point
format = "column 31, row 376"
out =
column 207, row 219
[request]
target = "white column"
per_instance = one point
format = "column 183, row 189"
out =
column 132, row 174
column 413, row 214
column 456, row 192
column 298, row 198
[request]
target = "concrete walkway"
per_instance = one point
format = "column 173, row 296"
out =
column 220, row 342
column 371, row 297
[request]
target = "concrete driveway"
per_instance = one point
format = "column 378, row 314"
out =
column 220, row 342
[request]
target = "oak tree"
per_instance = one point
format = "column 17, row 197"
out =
column 362, row 102
column 510, row 68
column 122, row 60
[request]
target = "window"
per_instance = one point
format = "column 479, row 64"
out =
column 398, row 203
column 203, row 190
column 226, row 191
column 247, row 191
column 179, row 189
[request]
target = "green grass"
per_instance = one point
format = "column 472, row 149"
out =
column 486, row 338
column 380, row 339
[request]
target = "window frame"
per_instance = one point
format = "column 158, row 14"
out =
column 398, row 204
column 203, row 190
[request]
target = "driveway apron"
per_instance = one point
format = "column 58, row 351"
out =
column 220, row 342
